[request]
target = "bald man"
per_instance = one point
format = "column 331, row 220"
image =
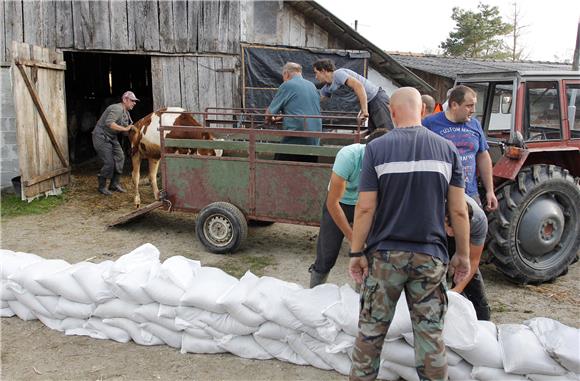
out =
column 428, row 105
column 399, row 239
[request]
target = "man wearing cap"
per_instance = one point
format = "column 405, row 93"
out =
column 115, row 119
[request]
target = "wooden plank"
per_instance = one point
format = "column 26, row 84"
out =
column 2, row 34
column 193, row 9
column 59, row 114
column 207, row 82
column 48, row 32
column 137, row 213
column 209, row 27
column 13, row 24
column 81, row 16
column 47, row 176
column 131, row 34
column 100, row 25
column 222, row 25
column 189, row 79
column 44, row 65
column 157, row 82
column 234, row 31
column 146, row 24
column 166, row 29
column 119, row 25
column 180, row 25
column 64, row 28
column 297, row 29
column 32, row 20
column 171, row 81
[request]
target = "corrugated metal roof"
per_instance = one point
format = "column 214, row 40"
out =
column 451, row 66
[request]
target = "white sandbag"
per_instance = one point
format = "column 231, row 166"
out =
column 28, row 276
column 338, row 361
column 49, row 304
column 21, row 310
column 193, row 344
column 150, row 313
column 207, row 286
column 117, row 308
column 345, row 313
column 387, row 374
column 5, row 293
column 307, row 306
column 90, row 279
column 72, row 323
column 343, row 343
column 168, row 285
column 233, row 299
column 280, row 350
column 54, row 324
column 73, row 309
column 166, row 311
column 200, row 333
column 513, row 338
column 227, row 324
column 188, row 317
column 6, row 311
column 405, row 372
column 11, row 262
column 266, row 299
column 4, row 303
column 483, row 373
column 62, row 283
column 133, row 329
column 452, row 357
column 486, row 351
column 460, row 371
column 98, row 329
column 31, row 302
column 542, row 377
column 559, row 340
column 299, row 346
column 460, row 329
column 244, row 346
column 398, row 351
column 273, row 331
column 169, row 337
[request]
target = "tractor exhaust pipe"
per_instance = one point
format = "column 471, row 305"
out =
column 575, row 61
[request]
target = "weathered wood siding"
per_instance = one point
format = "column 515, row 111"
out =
column 195, row 82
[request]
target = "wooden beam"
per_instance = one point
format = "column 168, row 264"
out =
column 42, row 114
column 44, row 65
column 49, row 175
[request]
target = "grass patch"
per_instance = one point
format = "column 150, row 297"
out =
column 237, row 265
column 11, row 205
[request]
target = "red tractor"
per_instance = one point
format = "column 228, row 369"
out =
column 532, row 124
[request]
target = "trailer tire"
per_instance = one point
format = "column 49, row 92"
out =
column 534, row 235
column 221, row 227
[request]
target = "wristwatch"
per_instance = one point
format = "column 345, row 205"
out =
column 355, row 254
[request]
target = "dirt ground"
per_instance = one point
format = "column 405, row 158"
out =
column 76, row 231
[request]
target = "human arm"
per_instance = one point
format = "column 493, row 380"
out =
column 116, row 113
column 485, row 169
column 459, row 266
column 363, row 220
column 336, row 190
column 117, row 127
column 361, row 94
column 474, row 258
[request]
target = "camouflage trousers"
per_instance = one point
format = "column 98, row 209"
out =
column 422, row 277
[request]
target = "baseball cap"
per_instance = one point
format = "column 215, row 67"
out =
column 130, row 95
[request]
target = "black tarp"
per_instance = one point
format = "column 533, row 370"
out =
column 263, row 74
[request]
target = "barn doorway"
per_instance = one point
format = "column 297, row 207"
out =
column 94, row 81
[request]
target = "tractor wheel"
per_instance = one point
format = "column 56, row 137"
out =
column 535, row 233
column 221, row 227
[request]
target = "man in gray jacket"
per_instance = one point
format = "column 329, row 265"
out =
column 115, row 119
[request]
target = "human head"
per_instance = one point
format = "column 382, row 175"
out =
column 428, row 104
column 461, row 104
column 291, row 69
column 323, row 70
column 406, row 107
column 448, row 227
column 129, row 100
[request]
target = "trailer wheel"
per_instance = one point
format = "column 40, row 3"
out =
column 534, row 235
column 221, row 227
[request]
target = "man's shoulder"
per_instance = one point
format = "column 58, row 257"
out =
column 434, row 119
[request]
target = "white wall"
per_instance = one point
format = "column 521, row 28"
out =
column 379, row 80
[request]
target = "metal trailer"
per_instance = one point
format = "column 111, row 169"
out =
column 246, row 183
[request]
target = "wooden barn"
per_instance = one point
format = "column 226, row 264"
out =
column 63, row 62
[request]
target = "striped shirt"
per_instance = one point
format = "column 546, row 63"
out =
column 411, row 169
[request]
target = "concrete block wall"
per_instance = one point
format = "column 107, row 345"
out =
column 8, row 143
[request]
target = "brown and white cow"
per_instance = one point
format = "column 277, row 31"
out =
column 145, row 142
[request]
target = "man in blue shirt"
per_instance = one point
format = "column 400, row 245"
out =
column 458, row 125
column 403, row 228
column 296, row 96
column 372, row 99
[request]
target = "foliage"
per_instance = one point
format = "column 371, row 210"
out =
column 11, row 205
column 478, row 34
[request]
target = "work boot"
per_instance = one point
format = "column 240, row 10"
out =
column 115, row 186
column 316, row 278
column 103, row 186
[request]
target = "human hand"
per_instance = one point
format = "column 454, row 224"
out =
column 362, row 116
column 492, row 203
column 358, row 268
column 459, row 267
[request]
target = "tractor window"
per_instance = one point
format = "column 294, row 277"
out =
column 500, row 120
column 573, row 96
column 542, row 112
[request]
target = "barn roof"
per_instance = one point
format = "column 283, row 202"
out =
column 451, row 66
column 379, row 60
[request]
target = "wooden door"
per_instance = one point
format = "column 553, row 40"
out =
column 39, row 102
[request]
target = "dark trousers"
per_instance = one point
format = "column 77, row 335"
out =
column 379, row 114
column 475, row 292
column 111, row 154
column 330, row 239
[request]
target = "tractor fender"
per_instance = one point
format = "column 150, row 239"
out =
column 508, row 168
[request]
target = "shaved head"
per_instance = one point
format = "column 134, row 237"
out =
column 406, row 106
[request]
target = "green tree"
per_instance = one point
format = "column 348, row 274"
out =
column 478, row 34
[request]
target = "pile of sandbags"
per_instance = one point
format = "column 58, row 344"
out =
column 200, row 309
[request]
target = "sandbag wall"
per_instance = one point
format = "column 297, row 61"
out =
column 200, row 309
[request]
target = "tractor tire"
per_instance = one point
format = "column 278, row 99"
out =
column 221, row 227
column 534, row 235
